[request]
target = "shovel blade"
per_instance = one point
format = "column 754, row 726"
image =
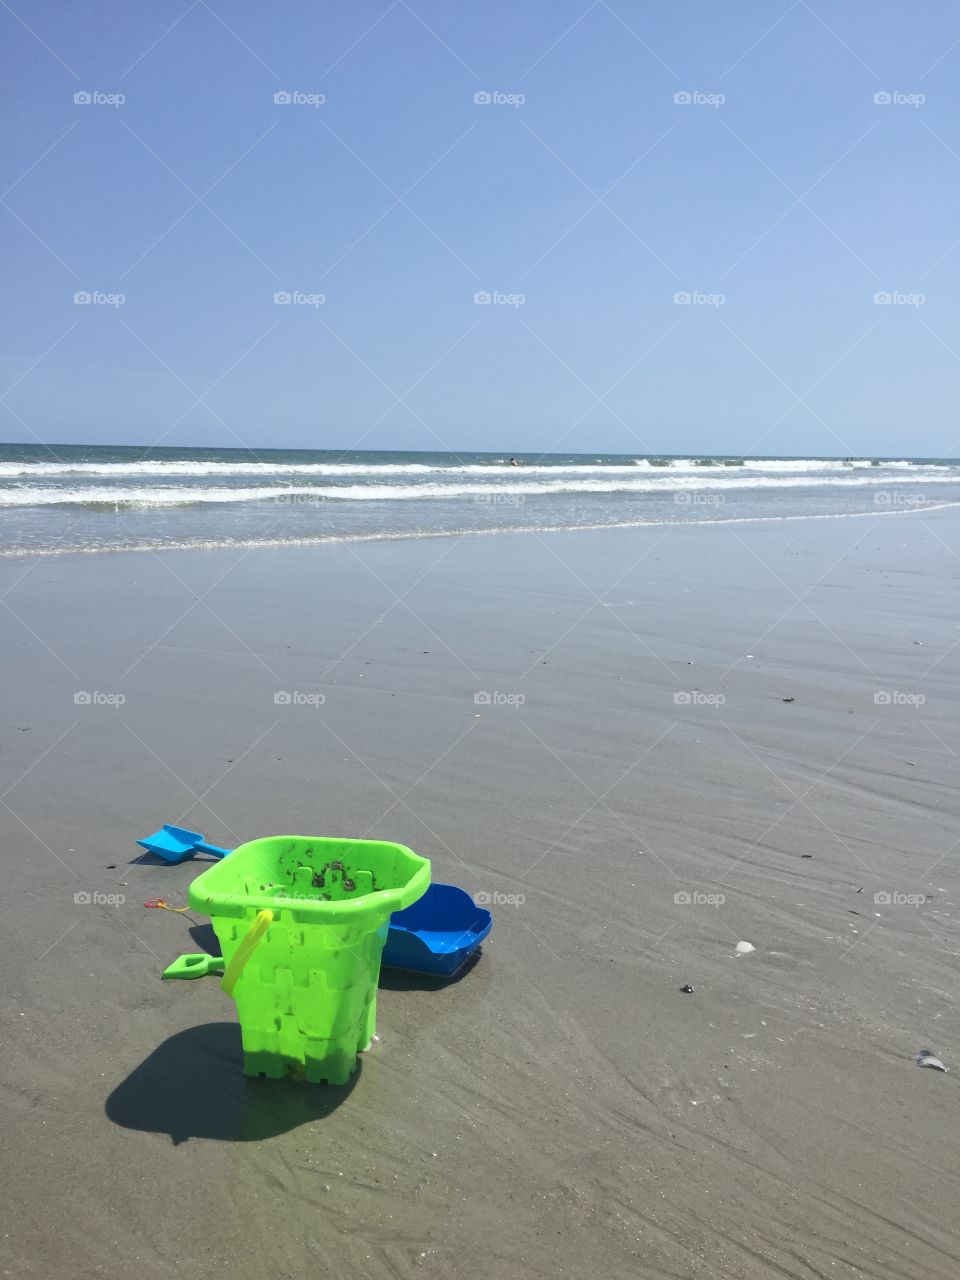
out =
column 173, row 844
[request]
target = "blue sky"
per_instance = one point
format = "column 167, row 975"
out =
column 781, row 198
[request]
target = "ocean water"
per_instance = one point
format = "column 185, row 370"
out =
column 73, row 498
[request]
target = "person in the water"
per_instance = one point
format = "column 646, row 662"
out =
column 514, row 462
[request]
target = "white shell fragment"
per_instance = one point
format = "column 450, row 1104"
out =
column 742, row 948
column 927, row 1058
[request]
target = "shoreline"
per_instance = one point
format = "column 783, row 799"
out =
column 361, row 538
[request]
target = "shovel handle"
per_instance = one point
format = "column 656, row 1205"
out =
column 246, row 949
column 203, row 847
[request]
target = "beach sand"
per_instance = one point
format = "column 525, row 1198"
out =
column 563, row 1109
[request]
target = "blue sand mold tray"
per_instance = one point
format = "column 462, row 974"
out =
column 438, row 933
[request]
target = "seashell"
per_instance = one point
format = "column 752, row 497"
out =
column 742, row 948
column 927, row 1058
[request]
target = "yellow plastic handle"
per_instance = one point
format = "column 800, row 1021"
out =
column 245, row 950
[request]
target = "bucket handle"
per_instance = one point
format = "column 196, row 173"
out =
column 245, row 950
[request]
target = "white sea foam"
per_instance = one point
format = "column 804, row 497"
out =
column 224, row 470
column 663, row 483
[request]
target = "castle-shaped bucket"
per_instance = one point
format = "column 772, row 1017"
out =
column 302, row 921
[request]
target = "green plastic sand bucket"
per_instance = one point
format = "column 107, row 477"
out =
column 302, row 921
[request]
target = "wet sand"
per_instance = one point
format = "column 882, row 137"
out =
column 693, row 736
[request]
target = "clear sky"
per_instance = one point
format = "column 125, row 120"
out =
column 781, row 198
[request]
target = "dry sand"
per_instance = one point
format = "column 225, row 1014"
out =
column 563, row 1110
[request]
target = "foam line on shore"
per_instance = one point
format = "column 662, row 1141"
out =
column 251, row 544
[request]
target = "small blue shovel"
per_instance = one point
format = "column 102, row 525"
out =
column 176, row 844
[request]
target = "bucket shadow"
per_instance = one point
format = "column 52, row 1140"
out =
column 409, row 980
column 192, row 1086
column 205, row 938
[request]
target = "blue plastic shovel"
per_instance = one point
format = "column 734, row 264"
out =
column 176, row 844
